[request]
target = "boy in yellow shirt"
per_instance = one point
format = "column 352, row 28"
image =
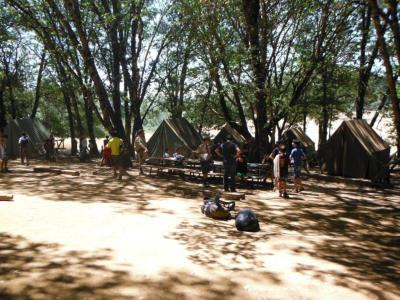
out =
column 116, row 162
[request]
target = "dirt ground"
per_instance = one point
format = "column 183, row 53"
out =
column 93, row 237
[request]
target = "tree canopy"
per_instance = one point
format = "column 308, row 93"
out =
column 89, row 67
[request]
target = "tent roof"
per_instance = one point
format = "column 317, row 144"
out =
column 174, row 133
column 301, row 136
column 185, row 131
column 367, row 137
column 227, row 129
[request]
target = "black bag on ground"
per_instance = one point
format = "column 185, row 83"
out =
column 217, row 209
column 246, row 220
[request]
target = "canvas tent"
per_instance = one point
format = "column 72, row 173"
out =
column 35, row 131
column 225, row 131
column 355, row 150
column 298, row 134
column 172, row 134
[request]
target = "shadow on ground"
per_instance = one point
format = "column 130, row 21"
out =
column 42, row 271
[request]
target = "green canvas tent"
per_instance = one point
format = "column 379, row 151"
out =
column 35, row 131
column 355, row 150
column 225, row 131
column 298, row 134
column 172, row 134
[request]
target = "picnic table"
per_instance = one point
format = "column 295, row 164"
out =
column 192, row 168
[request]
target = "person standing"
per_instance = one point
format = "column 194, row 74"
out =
column 141, row 149
column 49, row 147
column 24, row 148
column 203, row 152
column 229, row 151
column 106, row 153
column 283, row 162
column 116, row 163
column 297, row 156
column 3, row 153
column 272, row 156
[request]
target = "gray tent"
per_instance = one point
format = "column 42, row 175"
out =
column 225, row 131
column 35, row 131
column 355, row 150
column 172, row 134
column 298, row 134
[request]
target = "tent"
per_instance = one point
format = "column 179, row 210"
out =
column 225, row 131
column 172, row 134
column 355, row 150
column 298, row 134
column 35, row 131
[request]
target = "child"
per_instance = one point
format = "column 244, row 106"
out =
column 241, row 168
column 3, row 153
column 283, row 172
column 179, row 157
column 167, row 153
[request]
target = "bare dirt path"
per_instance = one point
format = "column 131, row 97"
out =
column 93, row 237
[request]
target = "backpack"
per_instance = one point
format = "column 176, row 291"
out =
column 217, row 209
column 246, row 220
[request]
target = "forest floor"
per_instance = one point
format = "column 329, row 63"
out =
column 94, row 237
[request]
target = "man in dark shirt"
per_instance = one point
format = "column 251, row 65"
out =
column 229, row 151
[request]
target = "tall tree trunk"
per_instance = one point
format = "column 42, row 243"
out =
column 89, row 122
column 67, row 101
column 304, row 121
column 3, row 121
column 391, row 80
column 75, row 107
column 362, row 84
column 323, row 124
column 38, row 82
column 251, row 10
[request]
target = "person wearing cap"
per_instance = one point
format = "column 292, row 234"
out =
column 229, row 151
column 203, row 152
column 297, row 156
column 23, row 145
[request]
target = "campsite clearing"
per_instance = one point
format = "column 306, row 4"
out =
column 93, row 237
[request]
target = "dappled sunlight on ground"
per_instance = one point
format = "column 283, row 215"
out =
column 94, row 237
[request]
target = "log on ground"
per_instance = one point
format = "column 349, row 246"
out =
column 5, row 197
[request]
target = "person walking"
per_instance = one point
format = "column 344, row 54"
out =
column 141, row 149
column 297, row 156
column 229, row 151
column 24, row 148
column 203, row 152
column 116, row 163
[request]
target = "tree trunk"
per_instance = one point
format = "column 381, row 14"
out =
column 323, row 124
column 67, row 101
column 3, row 121
column 389, row 71
column 38, row 82
column 89, row 121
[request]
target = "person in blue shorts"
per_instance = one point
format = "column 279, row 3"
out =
column 297, row 156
